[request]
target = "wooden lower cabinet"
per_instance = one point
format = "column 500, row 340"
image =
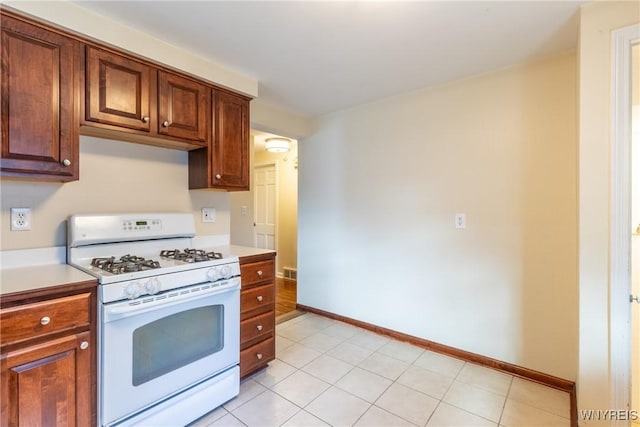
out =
column 257, row 313
column 48, row 383
column 49, row 378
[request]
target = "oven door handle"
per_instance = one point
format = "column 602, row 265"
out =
column 127, row 309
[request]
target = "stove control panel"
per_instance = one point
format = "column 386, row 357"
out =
column 135, row 289
column 158, row 284
column 142, row 224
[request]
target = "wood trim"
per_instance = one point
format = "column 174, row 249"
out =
column 519, row 371
column 38, row 294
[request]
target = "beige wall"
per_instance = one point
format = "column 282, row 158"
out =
column 380, row 185
column 596, row 23
column 72, row 17
column 114, row 177
column 280, row 122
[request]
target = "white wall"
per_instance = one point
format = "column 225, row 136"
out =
column 114, row 177
column 597, row 20
column 380, row 184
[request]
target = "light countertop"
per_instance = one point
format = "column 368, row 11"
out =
column 241, row 251
column 21, row 279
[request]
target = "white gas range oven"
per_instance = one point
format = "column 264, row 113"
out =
column 169, row 317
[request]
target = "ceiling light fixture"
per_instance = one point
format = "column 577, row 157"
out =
column 277, row 145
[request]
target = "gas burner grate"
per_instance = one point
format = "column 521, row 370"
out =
column 126, row 264
column 190, row 255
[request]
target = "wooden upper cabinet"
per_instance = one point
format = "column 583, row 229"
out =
column 142, row 103
column 224, row 164
column 38, row 93
column 231, row 142
column 118, row 90
column 183, row 107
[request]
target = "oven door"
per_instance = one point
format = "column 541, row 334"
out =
column 155, row 347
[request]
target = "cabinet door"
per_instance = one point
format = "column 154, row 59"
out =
column 48, row 384
column 38, row 91
column 230, row 145
column 183, row 107
column 117, row 90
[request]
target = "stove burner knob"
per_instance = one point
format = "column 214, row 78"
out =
column 152, row 286
column 132, row 290
column 225, row 271
column 213, row 274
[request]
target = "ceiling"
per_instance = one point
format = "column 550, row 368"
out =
column 315, row 57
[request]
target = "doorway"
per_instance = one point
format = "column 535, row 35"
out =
column 267, row 215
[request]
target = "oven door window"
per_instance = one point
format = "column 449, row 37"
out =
column 172, row 342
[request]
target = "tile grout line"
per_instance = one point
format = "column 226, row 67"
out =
column 504, row 405
column 445, row 394
column 341, row 339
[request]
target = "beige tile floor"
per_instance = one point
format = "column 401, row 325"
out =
column 328, row 373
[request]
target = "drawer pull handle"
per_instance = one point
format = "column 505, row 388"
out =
column 259, row 327
column 260, row 273
column 259, row 298
column 45, row 320
column 84, row 345
column 259, row 356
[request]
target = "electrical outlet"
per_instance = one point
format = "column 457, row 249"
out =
column 208, row 215
column 461, row 220
column 20, row 219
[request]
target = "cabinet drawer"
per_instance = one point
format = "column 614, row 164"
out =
column 255, row 327
column 257, row 356
column 262, row 296
column 257, row 272
column 28, row 321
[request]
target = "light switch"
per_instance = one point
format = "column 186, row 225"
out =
column 461, row 220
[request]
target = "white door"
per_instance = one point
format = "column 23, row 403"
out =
column 623, row 316
column 264, row 224
column 635, row 221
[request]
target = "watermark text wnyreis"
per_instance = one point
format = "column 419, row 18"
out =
column 609, row 415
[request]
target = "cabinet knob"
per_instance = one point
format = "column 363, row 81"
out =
column 145, row 119
column 218, row 176
column 45, row 320
column 259, row 273
column 259, row 356
column 84, row 345
column 66, row 162
column 259, row 298
column 166, row 124
column 259, row 327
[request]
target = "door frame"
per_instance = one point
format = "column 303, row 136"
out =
column 620, row 220
column 276, row 201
